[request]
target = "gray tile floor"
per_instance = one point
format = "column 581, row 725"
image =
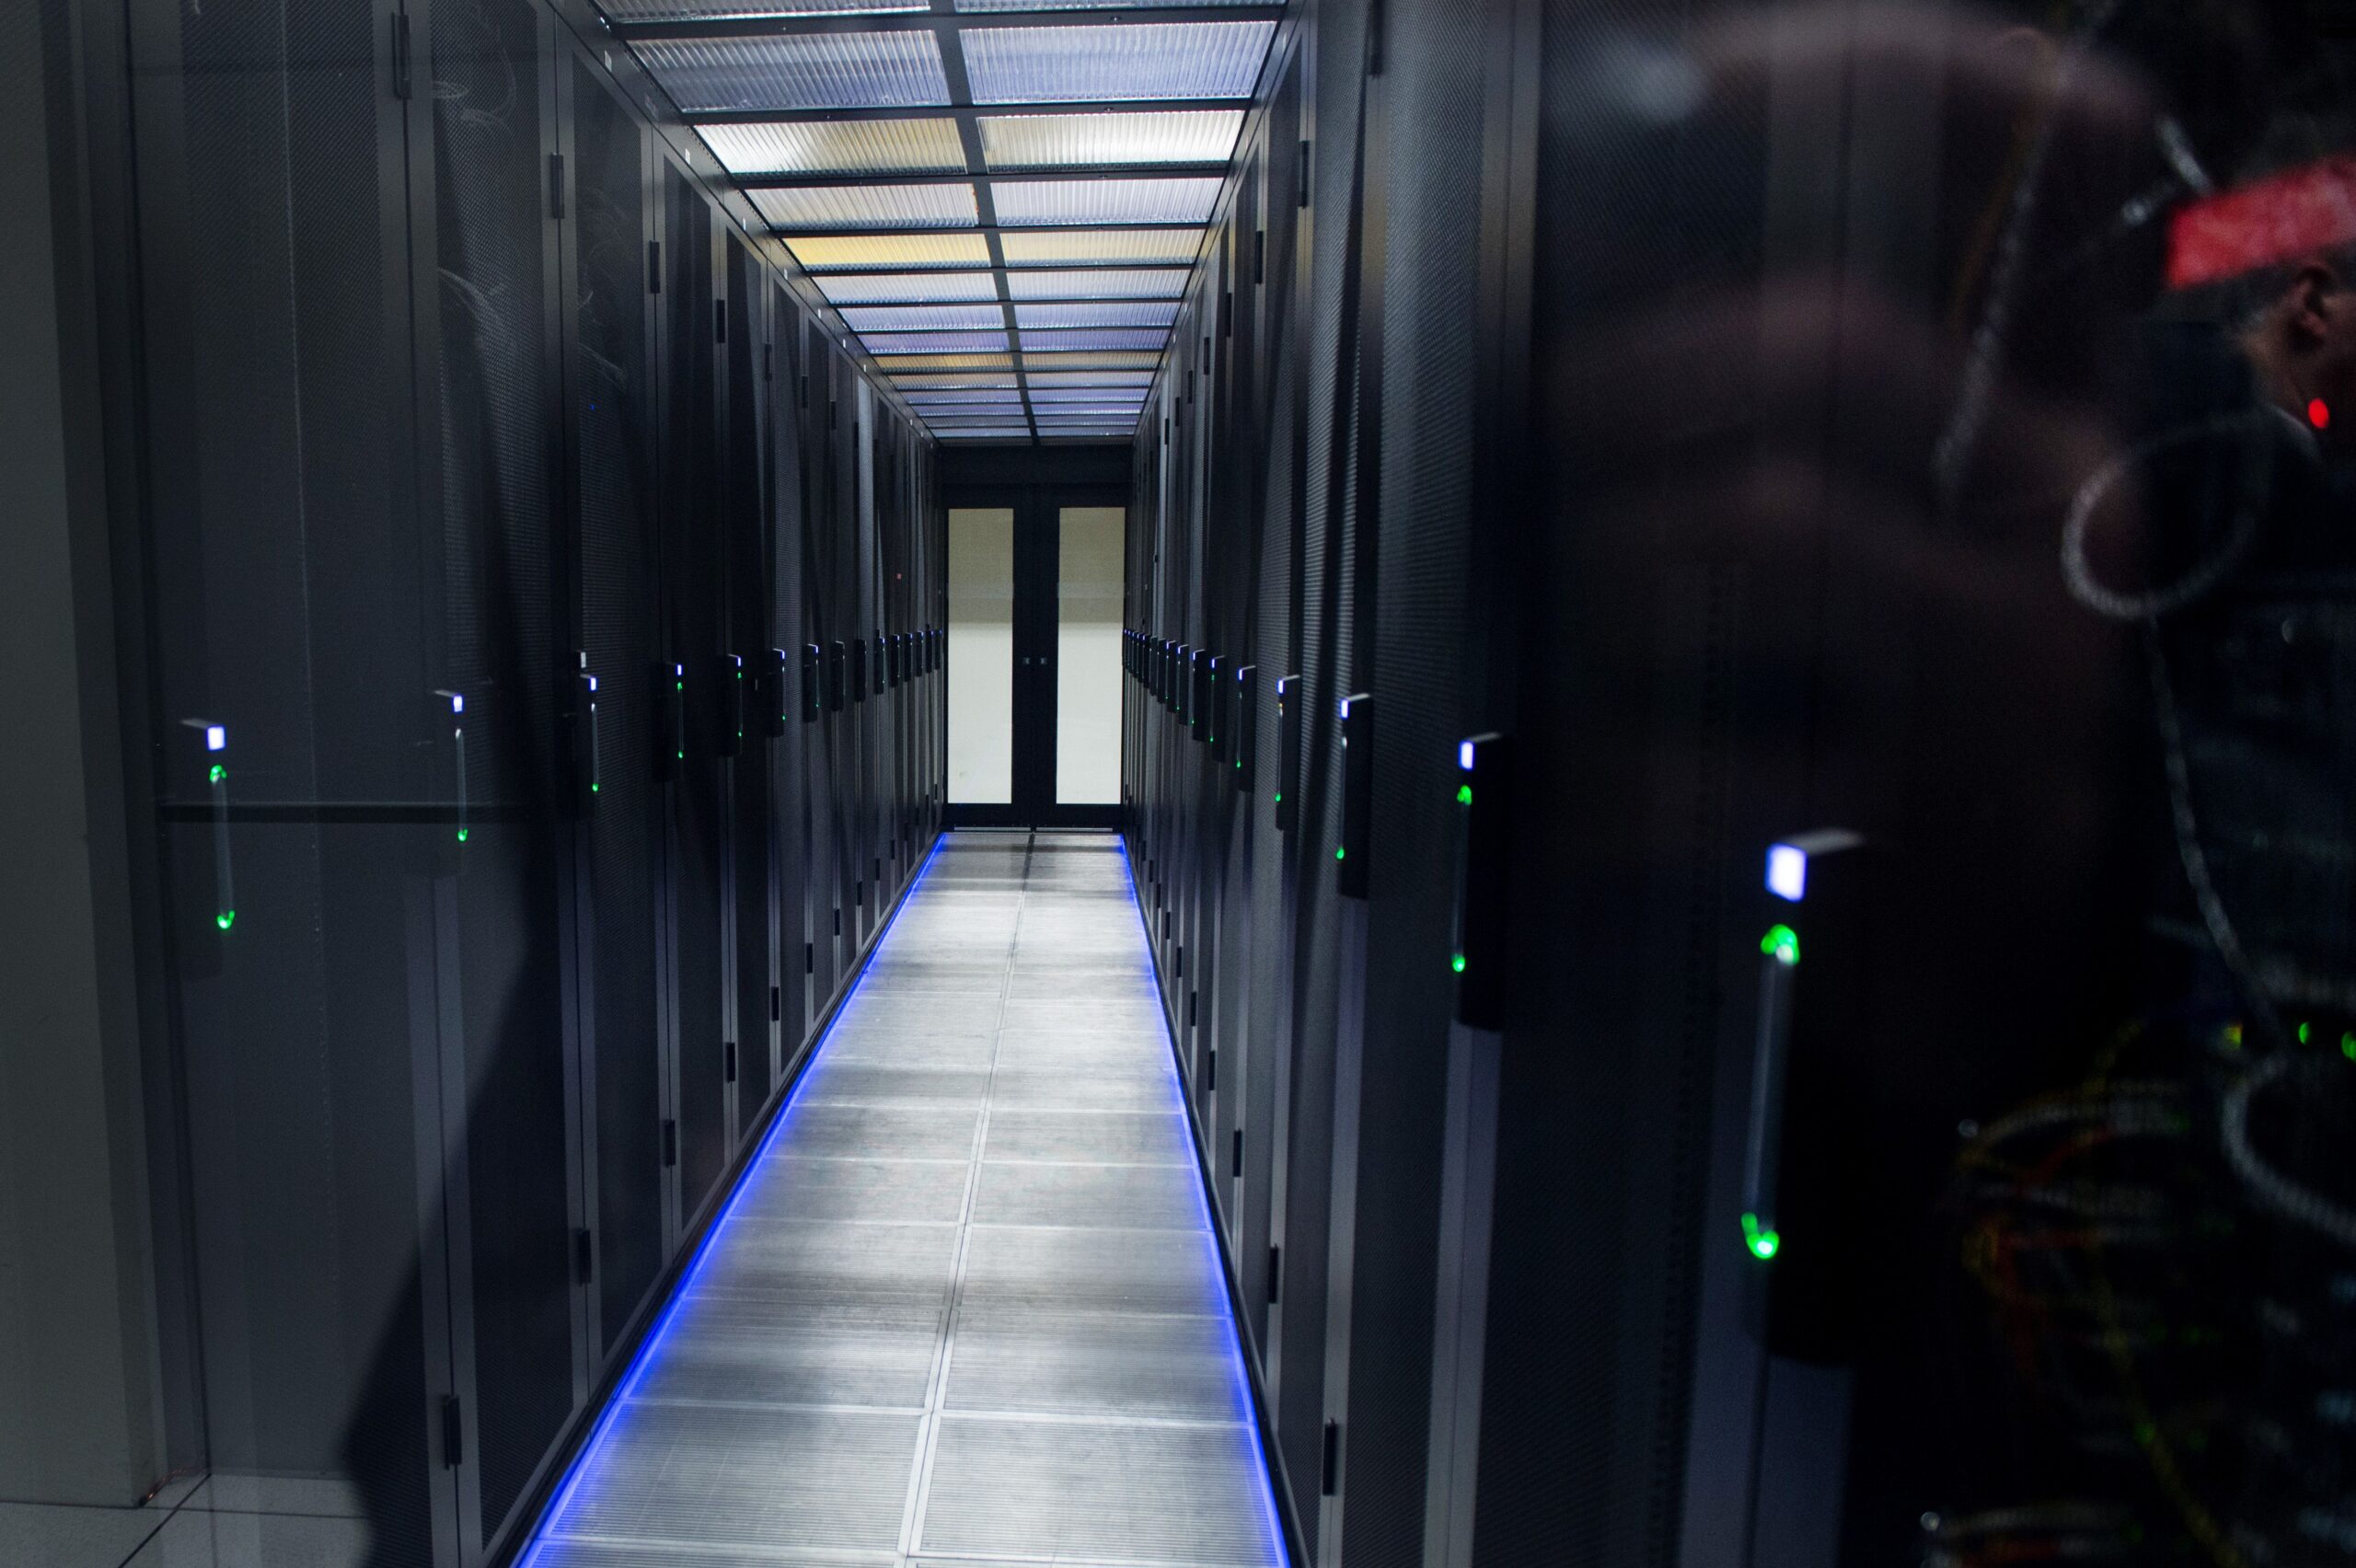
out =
column 965, row 1307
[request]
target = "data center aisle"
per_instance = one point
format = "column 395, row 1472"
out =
column 965, row 1307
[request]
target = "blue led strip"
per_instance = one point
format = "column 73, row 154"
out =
column 1247, row 1394
column 642, row 1358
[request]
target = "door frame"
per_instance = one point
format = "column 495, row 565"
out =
column 1037, row 510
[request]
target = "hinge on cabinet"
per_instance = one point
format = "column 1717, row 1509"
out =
column 454, row 1432
column 809, row 957
column 728, row 1061
column 556, row 186
column 653, row 266
column 777, row 1004
column 584, row 1257
column 1304, row 171
column 1276, row 1276
column 671, row 1142
column 1329, row 1464
column 401, row 54
column 719, row 321
column 1235, row 1155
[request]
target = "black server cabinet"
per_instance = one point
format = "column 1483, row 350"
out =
column 484, row 238
column 750, row 587
column 610, row 288
column 694, row 460
column 789, row 751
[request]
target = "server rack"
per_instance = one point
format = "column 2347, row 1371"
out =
column 460, row 491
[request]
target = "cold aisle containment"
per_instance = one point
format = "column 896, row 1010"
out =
column 923, row 783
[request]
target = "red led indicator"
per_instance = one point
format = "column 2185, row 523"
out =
column 2319, row 413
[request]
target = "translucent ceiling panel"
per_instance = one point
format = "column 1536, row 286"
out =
column 839, row 146
column 1095, row 337
column 969, row 379
column 933, row 342
column 1105, row 200
column 1139, row 379
column 951, row 433
column 1107, row 284
column 923, row 317
column 821, row 252
column 1088, row 4
column 708, row 10
column 809, row 71
column 897, row 364
column 965, row 397
column 943, row 286
column 1131, row 396
column 1112, row 313
column 1139, row 60
column 1051, row 140
column 855, row 207
column 1089, row 361
column 1070, row 248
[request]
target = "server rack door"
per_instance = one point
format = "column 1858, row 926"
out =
column 614, row 408
column 820, row 541
column 703, row 685
column 487, row 307
column 750, row 578
column 790, row 632
column 292, row 628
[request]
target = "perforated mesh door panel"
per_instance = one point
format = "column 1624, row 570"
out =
column 500, row 524
column 613, row 416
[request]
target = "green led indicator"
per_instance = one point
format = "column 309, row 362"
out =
column 1280, row 794
column 2304, row 1030
column 2348, row 1046
column 462, row 835
column 678, row 686
column 1763, row 1244
column 227, row 918
column 594, row 787
column 1464, row 794
column 1340, row 853
column 1781, row 943
column 219, row 773
column 1457, row 963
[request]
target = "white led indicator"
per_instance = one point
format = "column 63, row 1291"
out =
column 457, row 702
column 216, row 737
column 1464, row 756
column 592, row 683
column 1787, row 871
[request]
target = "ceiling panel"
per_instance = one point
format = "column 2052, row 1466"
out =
column 897, row 364
column 1115, row 312
column 858, row 70
column 712, row 10
column 1106, row 201
column 1139, row 379
column 944, row 286
column 822, row 251
column 1129, row 395
column 923, row 317
column 1140, row 60
column 965, row 379
column 933, row 342
column 839, row 146
column 1073, row 247
column 1105, row 283
column 854, row 207
column 1040, row 341
column 1052, row 141
column 1032, row 362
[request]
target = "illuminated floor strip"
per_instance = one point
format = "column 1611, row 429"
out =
column 966, row 1306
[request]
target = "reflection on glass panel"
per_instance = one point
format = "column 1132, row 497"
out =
column 981, row 655
column 1088, row 655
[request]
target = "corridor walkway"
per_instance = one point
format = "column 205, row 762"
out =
column 966, row 1306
